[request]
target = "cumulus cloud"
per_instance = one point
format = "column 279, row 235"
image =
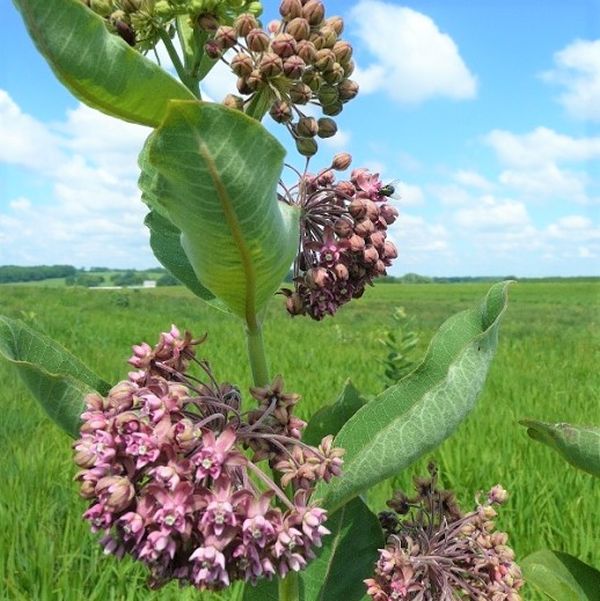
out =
column 472, row 179
column 534, row 163
column 492, row 214
column 416, row 62
column 577, row 70
column 94, row 214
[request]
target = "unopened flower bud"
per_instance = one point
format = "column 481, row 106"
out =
column 293, row 67
column 242, row 64
column 348, row 68
column 341, row 161
column 257, row 40
column 380, row 267
column 333, row 109
column 313, row 11
column 336, row 23
column 101, row 7
column 281, row 111
column 345, row 189
column 213, row 49
column 294, row 304
column 357, row 243
column 358, row 208
column 327, row 127
column 244, row 24
column 313, row 80
column 116, row 490
column 388, row 213
column 243, row 86
column 317, row 40
column 270, row 65
column 290, row 9
column 497, row 495
column 341, row 271
column 274, row 26
column 378, row 239
column 326, row 179
column 364, row 228
column 334, row 75
column 307, row 127
column 255, row 80
column 233, row 102
column 208, row 22
column 372, row 210
column 370, row 254
column 283, row 45
column 94, row 402
column 306, row 51
column 317, row 277
column 342, row 51
column 324, row 59
column 300, row 93
column 389, row 250
column 306, row 146
column 226, row 37
column 329, row 37
column 327, row 95
column 348, row 89
column 299, row 29
column 130, row 6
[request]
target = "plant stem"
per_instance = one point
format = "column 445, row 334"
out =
column 190, row 82
column 256, row 354
column 289, row 588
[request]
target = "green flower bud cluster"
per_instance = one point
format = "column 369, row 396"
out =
column 297, row 60
column 139, row 22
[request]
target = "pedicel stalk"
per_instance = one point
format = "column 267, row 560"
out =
column 208, row 482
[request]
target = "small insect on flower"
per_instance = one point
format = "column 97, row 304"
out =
column 391, row 190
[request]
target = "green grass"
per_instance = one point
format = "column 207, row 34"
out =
column 545, row 368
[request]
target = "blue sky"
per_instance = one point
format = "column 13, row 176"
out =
column 487, row 112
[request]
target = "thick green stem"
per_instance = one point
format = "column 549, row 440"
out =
column 289, row 588
column 190, row 82
column 256, row 353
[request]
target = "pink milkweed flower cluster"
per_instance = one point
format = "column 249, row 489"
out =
column 343, row 238
column 436, row 553
column 169, row 463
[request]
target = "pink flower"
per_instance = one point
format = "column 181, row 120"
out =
column 209, row 568
column 143, row 447
column 216, row 454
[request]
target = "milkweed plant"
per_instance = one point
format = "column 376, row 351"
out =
column 220, row 485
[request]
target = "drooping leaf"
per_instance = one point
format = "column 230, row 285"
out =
column 347, row 557
column 57, row 379
column 561, row 576
column 331, row 418
column 417, row 414
column 213, row 172
column 579, row 445
column 96, row 66
column 165, row 241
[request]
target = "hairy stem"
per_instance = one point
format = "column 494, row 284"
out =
column 289, row 587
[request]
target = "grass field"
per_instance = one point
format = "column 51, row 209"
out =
column 546, row 367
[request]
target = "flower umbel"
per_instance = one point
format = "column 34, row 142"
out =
column 169, row 482
column 436, row 553
column 343, row 238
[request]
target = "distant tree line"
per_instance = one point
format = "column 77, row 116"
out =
column 14, row 273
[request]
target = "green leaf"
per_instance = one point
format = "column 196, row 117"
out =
column 331, row 418
column 265, row 590
column 96, row 66
column 579, row 445
column 417, row 414
column 57, row 379
column 347, row 557
column 165, row 241
column 213, row 172
column 561, row 577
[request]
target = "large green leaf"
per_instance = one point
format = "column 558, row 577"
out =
column 347, row 557
column 417, row 414
column 561, row 577
column 213, row 172
column 96, row 66
column 165, row 241
column 579, row 445
column 57, row 379
column 331, row 418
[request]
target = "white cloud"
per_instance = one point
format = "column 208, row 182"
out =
column 491, row 214
column 414, row 60
column 472, row 179
column 94, row 214
column 339, row 142
column 408, row 194
column 577, row 69
column 534, row 163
